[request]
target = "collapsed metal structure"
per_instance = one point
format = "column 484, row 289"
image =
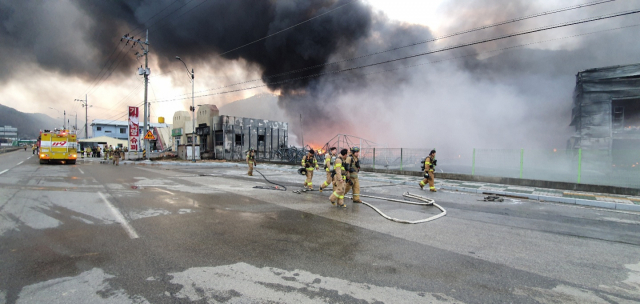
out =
column 231, row 137
column 606, row 108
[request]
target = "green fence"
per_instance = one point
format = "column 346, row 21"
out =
column 599, row 167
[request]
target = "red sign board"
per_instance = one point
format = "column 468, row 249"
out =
column 134, row 129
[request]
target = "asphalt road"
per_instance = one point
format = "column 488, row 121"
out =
column 98, row 233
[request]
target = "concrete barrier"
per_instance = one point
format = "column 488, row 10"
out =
column 11, row 149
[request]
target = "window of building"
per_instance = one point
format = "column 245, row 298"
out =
column 218, row 138
column 261, row 137
column 239, row 139
column 99, row 128
column 625, row 115
column 123, row 130
column 107, row 131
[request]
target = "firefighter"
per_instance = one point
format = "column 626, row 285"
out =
column 33, row 149
column 352, row 166
column 338, row 180
column 429, row 171
column 251, row 161
column 116, row 156
column 309, row 162
column 329, row 162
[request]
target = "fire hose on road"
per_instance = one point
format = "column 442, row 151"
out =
column 424, row 202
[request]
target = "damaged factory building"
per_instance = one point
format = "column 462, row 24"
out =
column 606, row 110
column 227, row 137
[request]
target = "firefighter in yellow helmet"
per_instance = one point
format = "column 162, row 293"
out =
column 251, row 161
column 309, row 162
column 329, row 162
column 429, row 171
column 339, row 178
column 352, row 166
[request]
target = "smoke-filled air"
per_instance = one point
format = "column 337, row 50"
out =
column 508, row 93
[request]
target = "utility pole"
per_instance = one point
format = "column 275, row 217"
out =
column 64, row 120
column 193, row 138
column 301, row 132
column 86, row 115
column 193, row 111
column 144, row 45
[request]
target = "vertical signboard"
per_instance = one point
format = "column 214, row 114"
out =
column 134, row 129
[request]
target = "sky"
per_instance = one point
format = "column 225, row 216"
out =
column 24, row 92
column 498, row 94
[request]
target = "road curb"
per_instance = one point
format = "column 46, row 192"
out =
column 555, row 199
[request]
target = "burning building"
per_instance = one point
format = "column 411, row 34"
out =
column 606, row 109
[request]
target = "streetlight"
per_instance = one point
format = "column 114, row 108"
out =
column 63, row 118
column 75, row 127
column 86, row 121
column 193, row 110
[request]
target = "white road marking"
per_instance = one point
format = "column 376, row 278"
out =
column 4, row 171
column 81, row 171
column 132, row 233
column 165, row 191
column 19, row 163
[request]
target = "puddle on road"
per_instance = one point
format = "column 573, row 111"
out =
column 244, row 283
column 88, row 287
column 148, row 213
column 629, row 287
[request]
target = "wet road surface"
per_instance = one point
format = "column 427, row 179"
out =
column 97, row 233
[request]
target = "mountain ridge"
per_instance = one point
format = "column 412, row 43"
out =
column 28, row 124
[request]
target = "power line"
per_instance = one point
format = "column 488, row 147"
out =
column 167, row 15
column 117, row 61
column 167, row 22
column 121, row 115
column 565, row 24
column 156, row 14
column 415, row 43
column 149, row 27
column 116, row 47
column 288, row 28
column 102, row 69
column 283, row 30
column 496, row 50
column 128, row 96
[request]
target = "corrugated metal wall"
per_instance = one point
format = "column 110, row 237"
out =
column 233, row 136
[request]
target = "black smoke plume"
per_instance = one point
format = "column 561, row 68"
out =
column 514, row 98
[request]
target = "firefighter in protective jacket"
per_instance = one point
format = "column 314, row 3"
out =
column 429, row 171
column 251, row 161
column 338, row 180
column 309, row 162
column 329, row 162
column 353, row 167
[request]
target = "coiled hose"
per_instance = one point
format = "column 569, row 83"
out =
column 425, row 202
